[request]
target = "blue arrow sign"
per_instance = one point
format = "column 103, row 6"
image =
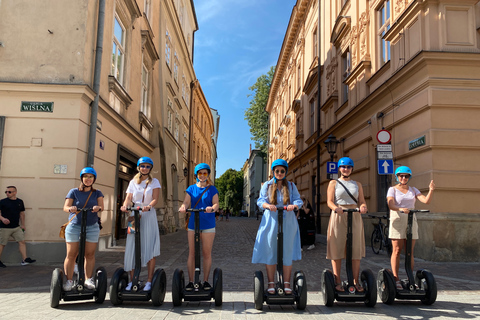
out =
column 385, row 166
column 332, row 167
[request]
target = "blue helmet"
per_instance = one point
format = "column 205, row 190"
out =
column 89, row 170
column 201, row 166
column 144, row 160
column 280, row 162
column 345, row 161
column 403, row 169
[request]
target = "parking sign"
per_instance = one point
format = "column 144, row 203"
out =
column 332, row 167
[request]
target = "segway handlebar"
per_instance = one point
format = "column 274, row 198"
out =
column 195, row 210
column 414, row 211
column 383, row 216
column 284, row 208
column 137, row 208
column 84, row 209
column 351, row 210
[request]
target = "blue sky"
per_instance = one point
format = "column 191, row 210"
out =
column 237, row 41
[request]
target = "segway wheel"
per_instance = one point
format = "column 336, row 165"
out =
column 376, row 241
column 100, row 285
column 56, row 287
column 301, row 289
column 258, row 290
column 328, row 287
column 386, row 286
column 429, row 285
column 368, row 281
column 218, row 287
column 117, row 285
column 159, row 287
column 178, row 283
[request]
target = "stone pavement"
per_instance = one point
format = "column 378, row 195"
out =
column 24, row 291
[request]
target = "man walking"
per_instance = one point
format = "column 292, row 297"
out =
column 12, row 224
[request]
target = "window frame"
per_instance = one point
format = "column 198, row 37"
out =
column 384, row 24
column 118, row 68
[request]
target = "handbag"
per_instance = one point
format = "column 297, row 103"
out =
column 351, row 196
column 64, row 226
column 131, row 224
column 188, row 216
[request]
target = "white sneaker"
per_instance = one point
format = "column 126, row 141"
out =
column 310, row 247
column 148, row 286
column 90, row 283
column 67, row 286
column 129, row 286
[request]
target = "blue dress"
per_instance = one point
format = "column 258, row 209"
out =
column 265, row 249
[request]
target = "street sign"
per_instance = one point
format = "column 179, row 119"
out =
column 385, row 166
column 383, row 136
column 384, row 147
column 385, row 155
column 332, row 167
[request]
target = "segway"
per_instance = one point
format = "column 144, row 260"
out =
column 119, row 281
column 79, row 291
column 422, row 286
column 350, row 294
column 299, row 290
column 198, row 293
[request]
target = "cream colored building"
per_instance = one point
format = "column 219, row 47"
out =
column 411, row 67
column 47, row 63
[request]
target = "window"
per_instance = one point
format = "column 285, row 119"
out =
column 147, row 5
column 299, row 77
column 118, row 54
column 177, row 127
column 184, row 88
column 175, row 67
column 315, row 44
column 346, row 66
column 144, row 103
column 168, row 46
column 312, row 116
column 384, row 26
column 169, row 115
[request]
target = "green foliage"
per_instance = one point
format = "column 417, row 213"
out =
column 256, row 115
column 230, row 190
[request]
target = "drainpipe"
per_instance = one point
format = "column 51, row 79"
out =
column 96, row 84
column 319, row 219
column 190, row 133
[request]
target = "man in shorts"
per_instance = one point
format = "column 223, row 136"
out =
column 12, row 224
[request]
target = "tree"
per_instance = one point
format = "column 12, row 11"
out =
column 230, row 190
column 256, row 115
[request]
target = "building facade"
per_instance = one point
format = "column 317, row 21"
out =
column 48, row 101
column 350, row 68
column 254, row 174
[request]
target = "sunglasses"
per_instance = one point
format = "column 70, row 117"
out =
column 346, row 167
column 202, row 174
column 280, row 171
column 9, row 192
column 145, row 167
column 404, row 176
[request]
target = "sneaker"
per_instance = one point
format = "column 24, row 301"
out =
column 67, row 286
column 27, row 261
column 89, row 283
column 2, row 265
column 148, row 286
column 207, row 286
column 129, row 286
column 310, row 247
column 75, row 269
column 189, row 286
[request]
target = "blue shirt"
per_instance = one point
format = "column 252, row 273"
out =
column 207, row 220
column 79, row 198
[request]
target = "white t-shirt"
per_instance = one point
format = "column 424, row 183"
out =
column 137, row 191
column 402, row 200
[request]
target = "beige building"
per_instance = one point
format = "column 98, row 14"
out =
column 408, row 66
column 48, row 100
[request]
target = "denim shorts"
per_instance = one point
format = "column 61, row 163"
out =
column 211, row 230
column 72, row 233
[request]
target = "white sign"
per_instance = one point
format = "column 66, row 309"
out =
column 384, row 147
column 385, row 155
column 383, row 136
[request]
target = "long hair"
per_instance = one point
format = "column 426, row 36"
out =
column 82, row 187
column 138, row 178
column 272, row 192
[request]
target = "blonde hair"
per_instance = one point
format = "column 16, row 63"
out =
column 272, row 192
column 138, row 178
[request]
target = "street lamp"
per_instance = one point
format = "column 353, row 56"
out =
column 331, row 145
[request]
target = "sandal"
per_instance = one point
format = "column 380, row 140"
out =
column 359, row 287
column 339, row 287
column 287, row 290
column 399, row 285
column 271, row 290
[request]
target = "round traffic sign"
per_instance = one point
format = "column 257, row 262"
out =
column 383, row 136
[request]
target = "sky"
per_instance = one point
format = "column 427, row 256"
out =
column 237, row 41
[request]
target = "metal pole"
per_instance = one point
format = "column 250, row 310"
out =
column 96, row 84
column 319, row 218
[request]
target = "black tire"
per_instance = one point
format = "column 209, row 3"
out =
column 117, row 285
column 328, row 287
column 388, row 245
column 159, row 287
column 300, row 283
column 429, row 285
column 368, row 281
column 56, row 287
column 376, row 241
column 258, row 287
column 177, row 287
column 100, row 285
column 218, row 286
column 386, row 286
